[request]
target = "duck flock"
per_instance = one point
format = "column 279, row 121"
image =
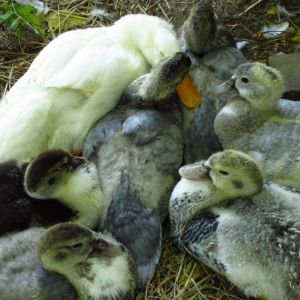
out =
column 93, row 137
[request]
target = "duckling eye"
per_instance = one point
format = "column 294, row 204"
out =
column 222, row 172
column 77, row 245
column 51, row 181
column 245, row 79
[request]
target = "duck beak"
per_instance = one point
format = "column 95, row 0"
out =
column 106, row 248
column 188, row 93
column 195, row 172
column 227, row 86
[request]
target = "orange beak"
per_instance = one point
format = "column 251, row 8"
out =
column 188, row 93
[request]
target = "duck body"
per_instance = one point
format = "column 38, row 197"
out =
column 214, row 59
column 252, row 239
column 15, row 204
column 77, row 79
column 207, row 73
column 138, row 148
column 270, row 134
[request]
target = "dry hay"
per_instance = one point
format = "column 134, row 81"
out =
column 178, row 276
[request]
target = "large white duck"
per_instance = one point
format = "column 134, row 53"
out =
column 75, row 80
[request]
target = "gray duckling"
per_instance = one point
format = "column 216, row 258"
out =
column 201, row 36
column 73, row 181
column 138, row 149
column 200, row 32
column 18, row 210
column 66, row 261
column 258, row 122
column 224, row 215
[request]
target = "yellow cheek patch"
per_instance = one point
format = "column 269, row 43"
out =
column 188, row 93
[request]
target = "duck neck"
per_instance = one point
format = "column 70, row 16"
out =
column 90, row 206
column 190, row 198
column 107, row 279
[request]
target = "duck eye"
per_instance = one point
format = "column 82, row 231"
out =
column 51, row 181
column 222, row 172
column 77, row 245
column 245, row 79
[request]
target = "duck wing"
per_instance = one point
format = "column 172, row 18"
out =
column 137, row 227
column 199, row 239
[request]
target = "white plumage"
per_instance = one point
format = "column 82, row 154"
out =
column 75, row 80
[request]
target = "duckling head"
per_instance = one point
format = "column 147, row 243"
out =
column 97, row 265
column 74, row 181
column 225, row 175
column 234, row 174
column 261, row 85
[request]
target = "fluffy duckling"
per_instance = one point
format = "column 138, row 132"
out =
column 75, row 80
column 73, row 181
column 201, row 34
column 77, row 264
column 224, row 215
column 138, row 151
column 214, row 67
column 18, row 210
column 258, row 122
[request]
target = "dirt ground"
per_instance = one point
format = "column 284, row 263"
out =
column 179, row 276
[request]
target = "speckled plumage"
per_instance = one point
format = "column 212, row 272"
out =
column 261, row 124
column 253, row 239
column 138, row 152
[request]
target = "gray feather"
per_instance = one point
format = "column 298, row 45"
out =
column 137, row 227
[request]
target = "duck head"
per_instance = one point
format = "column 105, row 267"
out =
column 74, row 181
column 97, row 265
column 261, row 85
column 225, row 175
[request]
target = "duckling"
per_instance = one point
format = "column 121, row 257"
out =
column 138, row 149
column 18, row 210
column 75, row 80
column 261, row 124
column 66, row 261
column 226, row 216
column 73, row 181
column 217, row 65
column 200, row 32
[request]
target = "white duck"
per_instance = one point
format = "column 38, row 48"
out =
column 77, row 79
